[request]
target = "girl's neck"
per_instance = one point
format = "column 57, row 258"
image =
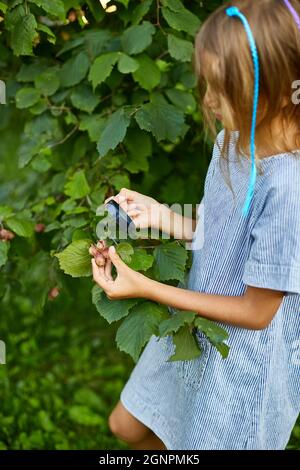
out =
column 281, row 139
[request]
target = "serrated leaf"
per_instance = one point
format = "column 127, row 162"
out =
column 148, row 74
column 77, row 187
column 137, row 38
column 114, row 131
column 216, row 334
column 141, row 260
column 187, row 347
column 175, row 322
column 74, row 70
column 27, row 97
column 21, row 227
column 127, row 64
column 84, row 99
column 75, row 260
column 170, row 261
column 125, row 251
column 120, row 181
column 139, row 326
column 47, row 83
column 102, row 68
column 180, row 49
column 164, row 121
column 181, row 20
column 4, row 247
column 28, row 72
column 111, row 310
column 23, row 35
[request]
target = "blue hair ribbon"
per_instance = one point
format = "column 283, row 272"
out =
column 234, row 11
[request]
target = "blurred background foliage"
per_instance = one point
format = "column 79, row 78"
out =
column 69, row 67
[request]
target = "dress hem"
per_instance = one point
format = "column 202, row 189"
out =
column 145, row 413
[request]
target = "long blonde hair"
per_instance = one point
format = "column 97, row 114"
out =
column 230, row 73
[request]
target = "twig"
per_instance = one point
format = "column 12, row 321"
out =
column 65, row 138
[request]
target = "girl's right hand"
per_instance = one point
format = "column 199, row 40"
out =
column 144, row 210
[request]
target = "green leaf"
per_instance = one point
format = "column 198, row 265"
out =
column 4, row 247
column 53, row 7
column 127, row 64
column 94, row 125
column 23, row 35
column 5, row 211
column 182, row 20
column 3, row 7
column 175, row 322
column 180, row 49
column 27, row 97
column 28, row 72
column 125, row 251
column 47, row 83
column 187, row 347
column 74, row 70
column 148, row 74
column 165, row 121
column 75, row 260
column 120, row 181
column 111, row 310
column 170, row 261
column 139, row 326
column 21, row 227
column 102, row 68
column 137, row 38
column 84, row 99
column 140, row 11
column 84, row 416
column 141, row 260
column 50, row 35
column 77, row 187
column 114, row 131
column 88, row 397
column 182, row 99
column 215, row 334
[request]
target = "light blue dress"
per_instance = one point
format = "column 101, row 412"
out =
column 251, row 400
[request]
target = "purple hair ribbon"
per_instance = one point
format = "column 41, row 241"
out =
column 293, row 12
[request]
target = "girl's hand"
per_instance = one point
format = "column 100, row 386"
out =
column 144, row 210
column 127, row 284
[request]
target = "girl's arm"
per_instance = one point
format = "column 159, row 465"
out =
column 147, row 213
column 254, row 310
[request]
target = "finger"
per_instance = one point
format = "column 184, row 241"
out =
column 98, row 275
column 127, row 193
column 92, row 250
column 133, row 213
column 109, row 199
column 107, row 269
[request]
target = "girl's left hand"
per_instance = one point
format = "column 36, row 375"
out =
column 127, row 284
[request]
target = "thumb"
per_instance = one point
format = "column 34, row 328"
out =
column 115, row 258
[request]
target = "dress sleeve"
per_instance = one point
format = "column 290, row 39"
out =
column 274, row 258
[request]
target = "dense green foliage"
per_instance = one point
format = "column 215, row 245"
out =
column 96, row 101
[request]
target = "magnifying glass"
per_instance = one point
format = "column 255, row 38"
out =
column 121, row 217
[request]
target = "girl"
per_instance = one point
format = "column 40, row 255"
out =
column 247, row 274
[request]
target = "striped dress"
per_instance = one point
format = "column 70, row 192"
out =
column 251, row 400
